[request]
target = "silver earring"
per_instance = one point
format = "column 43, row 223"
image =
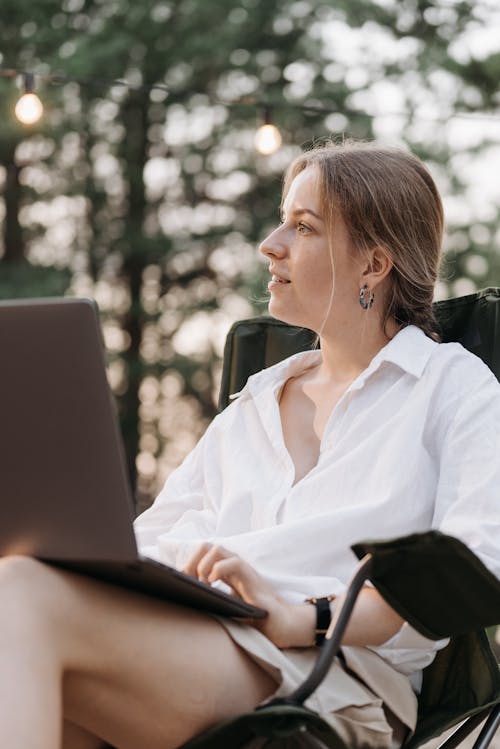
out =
column 364, row 302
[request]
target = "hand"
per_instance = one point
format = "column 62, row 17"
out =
column 286, row 625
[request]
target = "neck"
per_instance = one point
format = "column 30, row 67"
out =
column 347, row 352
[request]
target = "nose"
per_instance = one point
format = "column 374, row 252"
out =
column 274, row 245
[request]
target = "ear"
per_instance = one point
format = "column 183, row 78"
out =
column 376, row 267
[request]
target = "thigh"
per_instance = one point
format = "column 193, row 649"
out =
column 74, row 737
column 142, row 672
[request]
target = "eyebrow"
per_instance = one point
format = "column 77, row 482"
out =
column 301, row 211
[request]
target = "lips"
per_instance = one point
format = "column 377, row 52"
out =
column 277, row 282
column 279, row 279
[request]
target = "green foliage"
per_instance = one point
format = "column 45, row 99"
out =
column 24, row 280
column 154, row 202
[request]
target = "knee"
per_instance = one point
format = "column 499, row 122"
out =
column 25, row 584
column 20, row 571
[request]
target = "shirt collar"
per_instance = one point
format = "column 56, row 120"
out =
column 275, row 375
column 410, row 350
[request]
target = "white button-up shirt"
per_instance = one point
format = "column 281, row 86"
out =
column 413, row 444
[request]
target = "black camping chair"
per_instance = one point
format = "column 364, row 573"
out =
column 451, row 594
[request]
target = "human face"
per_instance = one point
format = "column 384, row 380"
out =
column 300, row 263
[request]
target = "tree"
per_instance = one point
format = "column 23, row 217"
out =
column 153, row 201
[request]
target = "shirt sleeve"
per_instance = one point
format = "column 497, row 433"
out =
column 182, row 515
column 467, row 502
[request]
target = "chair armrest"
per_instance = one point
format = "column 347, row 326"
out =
column 435, row 582
column 432, row 580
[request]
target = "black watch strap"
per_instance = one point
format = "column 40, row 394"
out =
column 323, row 616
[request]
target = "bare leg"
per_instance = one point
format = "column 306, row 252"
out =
column 77, row 738
column 131, row 670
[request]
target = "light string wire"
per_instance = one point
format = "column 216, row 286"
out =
column 247, row 100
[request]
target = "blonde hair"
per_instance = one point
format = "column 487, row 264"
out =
column 386, row 197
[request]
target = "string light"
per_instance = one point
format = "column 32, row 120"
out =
column 267, row 138
column 29, row 108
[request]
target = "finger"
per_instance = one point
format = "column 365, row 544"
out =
column 191, row 565
column 206, row 563
column 233, row 571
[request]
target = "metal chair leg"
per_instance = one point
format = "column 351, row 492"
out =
column 489, row 729
column 466, row 728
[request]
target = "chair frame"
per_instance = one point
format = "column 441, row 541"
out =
column 369, row 568
column 331, row 647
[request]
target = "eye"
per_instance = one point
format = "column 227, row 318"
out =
column 303, row 228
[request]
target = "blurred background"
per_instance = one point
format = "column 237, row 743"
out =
column 141, row 186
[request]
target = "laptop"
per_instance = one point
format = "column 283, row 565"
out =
column 66, row 495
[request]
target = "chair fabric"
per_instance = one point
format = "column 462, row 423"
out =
column 474, row 321
column 251, row 345
column 280, row 727
column 461, row 681
column 450, row 593
column 464, row 678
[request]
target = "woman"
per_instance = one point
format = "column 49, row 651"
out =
column 381, row 432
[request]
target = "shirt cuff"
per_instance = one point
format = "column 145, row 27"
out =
column 408, row 651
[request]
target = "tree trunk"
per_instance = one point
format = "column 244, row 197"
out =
column 12, row 235
column 134, row 154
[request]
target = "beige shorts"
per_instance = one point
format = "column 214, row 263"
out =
column 366, row 701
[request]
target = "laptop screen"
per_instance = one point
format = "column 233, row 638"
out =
column 64, row 483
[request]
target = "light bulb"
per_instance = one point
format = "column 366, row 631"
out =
column 29, row 109
column 267, row 139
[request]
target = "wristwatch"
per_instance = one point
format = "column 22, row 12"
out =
column 323, row 616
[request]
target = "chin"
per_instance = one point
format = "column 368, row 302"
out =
column 288, row 316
